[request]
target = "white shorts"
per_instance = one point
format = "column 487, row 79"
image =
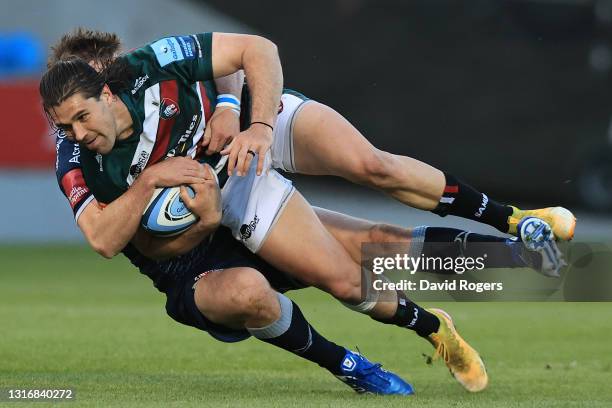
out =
column 282, row 146
column 252, row 204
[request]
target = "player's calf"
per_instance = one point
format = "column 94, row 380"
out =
column 345, row 290
column 372, row 167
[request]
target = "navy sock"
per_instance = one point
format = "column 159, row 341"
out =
column 293, row 333
column 464, row 201
column 413, row 317
column 454, row 243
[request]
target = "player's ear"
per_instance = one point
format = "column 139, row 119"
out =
column 107, row 95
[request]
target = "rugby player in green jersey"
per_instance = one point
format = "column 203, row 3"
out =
column 97, row 122
column 242, row 296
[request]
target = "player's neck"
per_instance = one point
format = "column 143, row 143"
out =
column 123, row 119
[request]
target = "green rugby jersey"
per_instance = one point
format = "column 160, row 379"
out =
column 171, row 99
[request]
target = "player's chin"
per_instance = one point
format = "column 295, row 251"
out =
column 103, row 149
column 101, row 146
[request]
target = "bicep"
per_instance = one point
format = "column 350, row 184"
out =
column 227, row 52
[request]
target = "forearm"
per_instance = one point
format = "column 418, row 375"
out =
column 169, row 247
column 265, row 80
column 110, row 229
column 231, row 84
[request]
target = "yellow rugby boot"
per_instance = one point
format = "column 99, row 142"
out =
column 462, row 360
column 561, row 220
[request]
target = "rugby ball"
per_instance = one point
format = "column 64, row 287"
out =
column 167, row 215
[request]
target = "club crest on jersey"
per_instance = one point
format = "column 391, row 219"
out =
column 168, row 109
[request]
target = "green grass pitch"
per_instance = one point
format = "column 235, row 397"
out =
column 72, row 319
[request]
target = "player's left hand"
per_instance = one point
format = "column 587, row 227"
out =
column 222, row 127
column 256, row 140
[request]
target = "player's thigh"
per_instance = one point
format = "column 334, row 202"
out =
column 352, row 232
column 325, row 143
column 230, row 296
column 301, row 246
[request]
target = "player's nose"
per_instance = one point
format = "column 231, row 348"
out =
column 79, row 132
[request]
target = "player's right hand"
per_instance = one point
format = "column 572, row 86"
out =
column 206, row 204
column 175, row 171
column 251, row 143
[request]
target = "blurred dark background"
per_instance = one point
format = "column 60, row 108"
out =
column 511, row 95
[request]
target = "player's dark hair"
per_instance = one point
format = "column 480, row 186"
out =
column 66, row 78
column 69, row 77
column 89, row 45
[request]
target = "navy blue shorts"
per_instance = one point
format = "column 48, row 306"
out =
column 222, row 253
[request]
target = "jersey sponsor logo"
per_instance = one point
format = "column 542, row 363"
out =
column 187, row 46
column 172, row 49
column 246, row 230
column 62, row 157
column 139, row 83
column 138, row 167
column 74, row 187
column 61, row 136
column 168, row 109
column 182, row 142
column 75, row 194
column 76, row 154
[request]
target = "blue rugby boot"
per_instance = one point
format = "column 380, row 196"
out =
column 364, row 376
column 539, row 250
